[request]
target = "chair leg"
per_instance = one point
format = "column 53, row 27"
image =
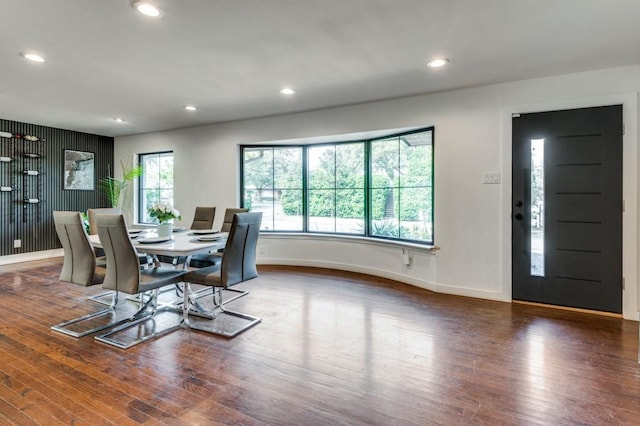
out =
column 240, row 293
column 190, row 300
column 148, row 312
column 66, row 326
column 120, row 315
column 198, row 310
column 102, row 298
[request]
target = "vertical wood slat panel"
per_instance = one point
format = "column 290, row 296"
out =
column 33, row 224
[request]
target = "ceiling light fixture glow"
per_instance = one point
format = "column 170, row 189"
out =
column 147, row 9
column 287, row 91
column 34, row 57
column 190, row 108
column 437, row 63
column 120, row 120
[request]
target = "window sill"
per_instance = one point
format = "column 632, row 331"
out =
column 349, row 238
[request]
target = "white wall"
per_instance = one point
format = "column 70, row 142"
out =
column 472, row 136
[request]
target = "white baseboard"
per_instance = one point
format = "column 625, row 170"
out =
column 427, row 285
column 34, row 255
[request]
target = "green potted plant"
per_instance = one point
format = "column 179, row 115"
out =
column 113, row 187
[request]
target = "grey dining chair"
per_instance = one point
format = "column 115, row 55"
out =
column 92, row 213
column 143, row 258
column 203, row 218
column 123, row 275
column 210, row 259
column 229, row 213
column 80, row 265
column 238, row 265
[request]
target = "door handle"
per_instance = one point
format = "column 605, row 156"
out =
column 518, row 216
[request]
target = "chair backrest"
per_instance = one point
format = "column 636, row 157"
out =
column 203, row 218
column 239, row 260
column 228, row 218
column 79, row 263
column 123, row 269
column 92, row 213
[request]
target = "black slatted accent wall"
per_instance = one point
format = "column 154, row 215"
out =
column 33, row 223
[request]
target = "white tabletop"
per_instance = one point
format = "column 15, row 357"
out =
column 181, row 244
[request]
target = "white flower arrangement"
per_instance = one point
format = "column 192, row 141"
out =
column 163, row 212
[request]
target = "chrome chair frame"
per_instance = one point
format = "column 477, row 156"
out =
column 238, row 265
column 143, row 311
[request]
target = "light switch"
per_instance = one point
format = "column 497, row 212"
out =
column 491, row 177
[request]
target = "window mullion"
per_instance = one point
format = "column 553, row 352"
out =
column 335, row 188
column 305, row 186
column 367, row 187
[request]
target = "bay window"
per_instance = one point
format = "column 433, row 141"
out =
column 379, row 188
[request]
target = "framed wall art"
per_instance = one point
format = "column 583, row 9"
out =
column 79, row 170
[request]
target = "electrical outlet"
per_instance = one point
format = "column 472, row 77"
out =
column 17, row 243
column 406, row 257
column 260, row 249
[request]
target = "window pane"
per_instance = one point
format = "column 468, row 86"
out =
column 350, row 211
column 287, row 204
column 166, row 172
column 350, row 165
column 378, row 202
column 147, row 198
column 288, row 212
column 415, row 214
column 415, row 165
column 273, row 185
column 258, row 169
column 322, row 167
column 385, row 161
column 322, row 211
column 537, row 207
column 258, row 183
column 287, row 165
column 151, row 172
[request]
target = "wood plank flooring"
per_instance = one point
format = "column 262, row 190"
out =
column 334, row 348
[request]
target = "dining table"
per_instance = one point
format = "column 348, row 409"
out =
column 182, row 243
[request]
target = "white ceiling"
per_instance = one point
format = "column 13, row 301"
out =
column 231, row 57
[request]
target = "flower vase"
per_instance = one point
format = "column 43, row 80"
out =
column 165, row 229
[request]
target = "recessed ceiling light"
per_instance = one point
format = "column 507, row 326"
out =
column 287, row 91
column 147, row 9
column 190, row 108
column 32, row 57
column 439, row 62
column 120, row 120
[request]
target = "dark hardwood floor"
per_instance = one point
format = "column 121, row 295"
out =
column 334, row 348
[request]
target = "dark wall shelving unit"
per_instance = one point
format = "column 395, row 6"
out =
column 34, row 173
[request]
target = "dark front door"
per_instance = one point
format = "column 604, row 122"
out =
column 567, row 208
